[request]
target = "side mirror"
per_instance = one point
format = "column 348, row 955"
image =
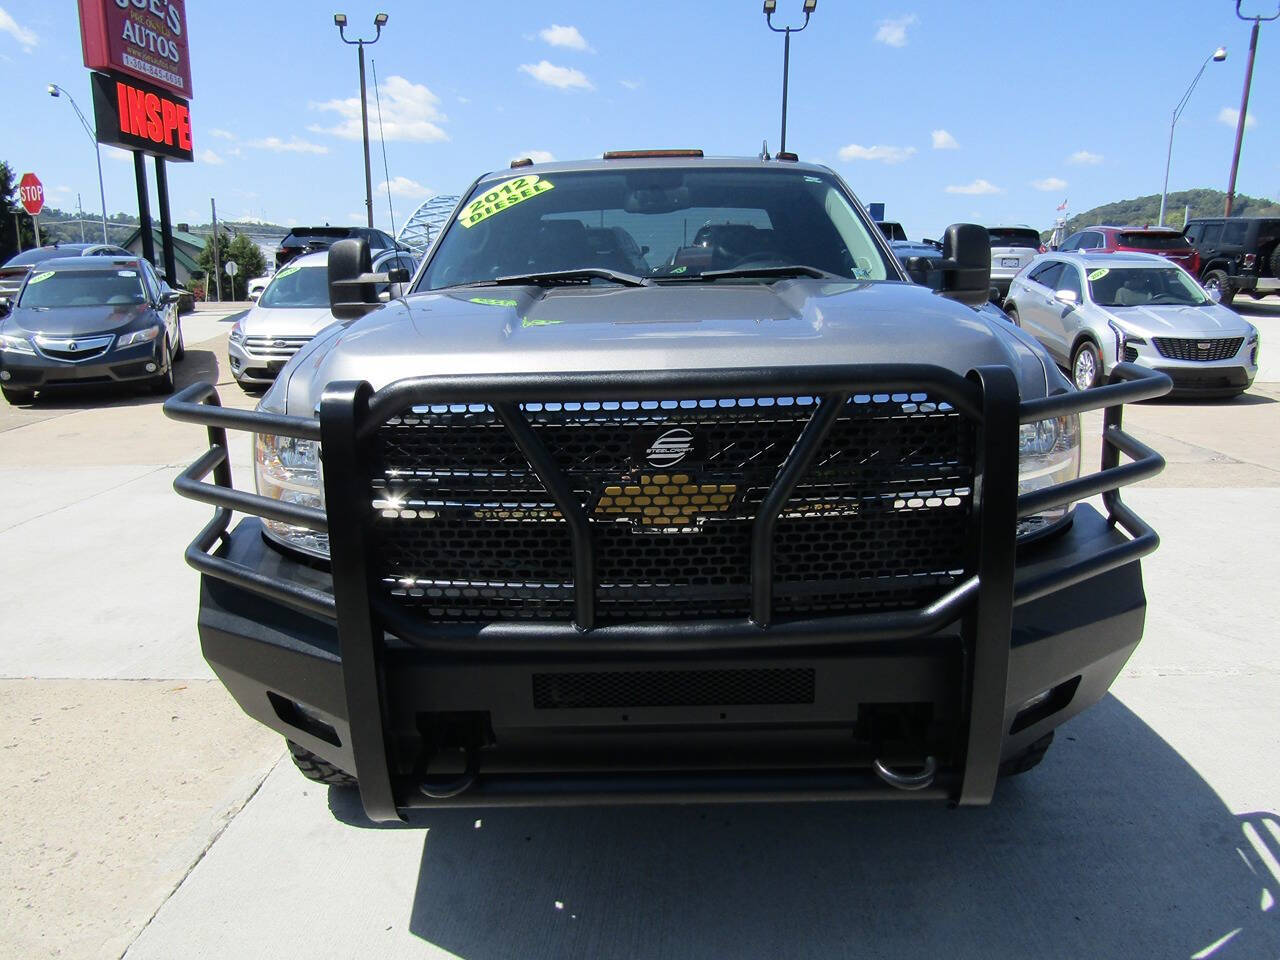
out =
column 924, row 271
column 351, row 295
column 5, row 306
column 1067, row 297
column 966, row 264
column 1213, row 293
column 255, row 294
column 170, row 296
column 644, row 250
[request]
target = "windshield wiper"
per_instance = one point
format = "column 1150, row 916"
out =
column 791, row 270
column 564, row 276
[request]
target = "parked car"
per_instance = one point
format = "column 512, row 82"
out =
column 255, row 287
column 1238, row 254
column 302, row 240
column 293, row 308
column 1094, row 310
column 1012, row 248
column 17, row 267
column 89, row 320
column 1162, row 241
column 744, row 526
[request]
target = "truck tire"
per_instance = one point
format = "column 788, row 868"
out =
column 321, row 771
column 1220, row 281
column 1028, row 758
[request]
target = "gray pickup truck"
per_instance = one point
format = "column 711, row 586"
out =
column 660, row 480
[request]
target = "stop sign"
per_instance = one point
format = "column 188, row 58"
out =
column 31, row 190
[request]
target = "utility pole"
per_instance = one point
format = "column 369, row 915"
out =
column 1244, row 99
column 217, row 268
column 80, row 217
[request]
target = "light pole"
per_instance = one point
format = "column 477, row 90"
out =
column 379, row 21
column 1217, row 57
column 56, row 91
column 770, row 7
column 1244, row 99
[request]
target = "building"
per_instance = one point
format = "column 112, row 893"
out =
column 186, row 252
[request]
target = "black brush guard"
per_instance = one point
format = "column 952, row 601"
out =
column 350, row 414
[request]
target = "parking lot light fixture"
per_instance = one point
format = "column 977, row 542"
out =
column 57, row 91
column 379, row 21
column 1216, row 57
column 770, row 8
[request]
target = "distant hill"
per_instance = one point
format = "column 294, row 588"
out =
column 1143, row 211
column 64, row 227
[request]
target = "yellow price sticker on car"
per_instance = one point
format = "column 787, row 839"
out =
column 1099, row 273
column 41, row 277
column 537, row 322
column 502, row 197
column 493, row 302
column 285, row 271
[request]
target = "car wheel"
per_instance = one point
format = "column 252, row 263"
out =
column 181, row 352
column 162, row 383
column 1220, row 281
column 317, row 769
column 1086, row 366
column 15, row 396
column 1012, row 311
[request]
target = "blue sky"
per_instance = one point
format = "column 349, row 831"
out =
column 946, row 111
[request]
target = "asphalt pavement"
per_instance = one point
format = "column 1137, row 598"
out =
column 146, row 817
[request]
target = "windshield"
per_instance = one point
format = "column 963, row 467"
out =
column 1003, row 237
column 82, row 288
column 297, row 287
column 1144, row 240
column 666, row 223
column 1139, row 286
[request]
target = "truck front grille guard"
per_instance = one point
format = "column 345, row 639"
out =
column 351, row 413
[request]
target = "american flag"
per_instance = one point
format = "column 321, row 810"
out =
column 1062, row 205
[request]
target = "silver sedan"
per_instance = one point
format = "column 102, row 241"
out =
column 1092, row 311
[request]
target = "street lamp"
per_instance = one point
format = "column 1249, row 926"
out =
column 379, row 21
column 771, row 7
column 56, row 91
column 1244, row 99
column 1217, row 57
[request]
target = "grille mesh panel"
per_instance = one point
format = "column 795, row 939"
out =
column 1182, row 348
column 673, row 688
column 467, row 532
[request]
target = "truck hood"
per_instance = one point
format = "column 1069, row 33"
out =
column 483, row 330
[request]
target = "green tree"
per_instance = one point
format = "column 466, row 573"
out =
column 247, row 256
column 14, row 234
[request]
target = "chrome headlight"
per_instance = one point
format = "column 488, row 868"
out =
column 1048, row 454
column 12, row 344
column 145, row 335
column 289, row 469
column 237, row 333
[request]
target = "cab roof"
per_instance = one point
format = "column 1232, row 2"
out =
column 653, row 163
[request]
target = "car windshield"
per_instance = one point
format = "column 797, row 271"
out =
column 297, row 287
column 1141, row 286
column 1003, row 237
column 82, row 288
column 1145, row 240
column 664, row 223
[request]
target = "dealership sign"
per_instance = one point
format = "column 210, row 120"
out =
column 146, row 39
column 138, row 116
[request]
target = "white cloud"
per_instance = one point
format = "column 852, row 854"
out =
column 537, row 156
column 404, row 187
column 942, row 140
column 27, row 38
column 409, row 112
column 630, row 84
column 120, row 156
column 221, row 134
column 885, row 154
column 208, row 156
column 1231, row 116
column 559, row 36
column 464, row 99
column 356, row 218
column 978, row 187
column 1050, row 184
column 293, row 145
column 1085, row 158
column 893, row 33
column 562, row 78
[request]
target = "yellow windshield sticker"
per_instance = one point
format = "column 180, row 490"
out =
column 285, row 271
column 505, row 195
column 492, row 302
column 1099, row 274
column 531, row 322
column 40, row 277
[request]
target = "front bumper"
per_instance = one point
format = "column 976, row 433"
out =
column 27, row 372
column 520, row 712
column 1196, row 377
column 255, row 368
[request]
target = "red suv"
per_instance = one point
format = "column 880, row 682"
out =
column 1164, row 241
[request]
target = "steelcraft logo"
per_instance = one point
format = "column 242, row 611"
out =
column 670, row 448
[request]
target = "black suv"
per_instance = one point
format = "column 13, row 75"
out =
column 1237, row 254
column 302, row 240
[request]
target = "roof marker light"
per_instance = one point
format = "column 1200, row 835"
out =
column 640, row 154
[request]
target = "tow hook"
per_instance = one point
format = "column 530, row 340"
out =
column 444, row 789
column 908, row 781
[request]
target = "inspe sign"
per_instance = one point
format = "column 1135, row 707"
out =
column 138, row 116
column 146, row 39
